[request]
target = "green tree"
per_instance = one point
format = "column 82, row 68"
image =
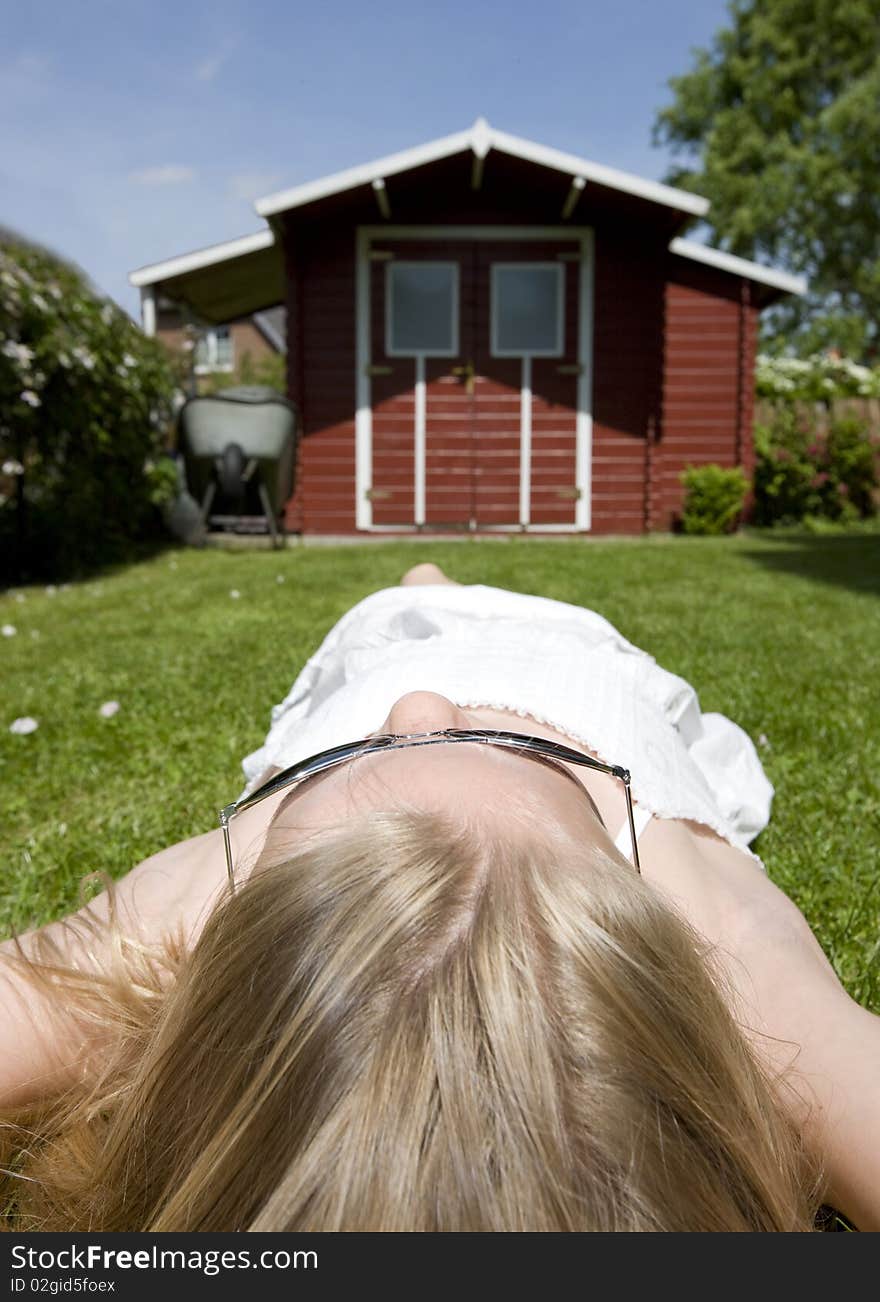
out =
column 780, row 122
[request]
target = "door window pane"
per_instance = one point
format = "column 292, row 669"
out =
column 527, row 309
column 421, row 309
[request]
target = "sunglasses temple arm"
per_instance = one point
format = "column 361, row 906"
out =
column 625, row 777
column 227, row 845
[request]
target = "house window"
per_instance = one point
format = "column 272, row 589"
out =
column 214, row 350
column 527, row 309
column 421, row 309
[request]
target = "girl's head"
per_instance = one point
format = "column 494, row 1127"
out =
column 422, row 1020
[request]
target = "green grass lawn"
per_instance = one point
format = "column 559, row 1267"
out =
column 780, row 633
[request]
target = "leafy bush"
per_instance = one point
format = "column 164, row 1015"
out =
column 819, row 378
column 801, row 473
column 714, row 498
column 86, row 403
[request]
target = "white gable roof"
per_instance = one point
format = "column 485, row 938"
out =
column 480, row 139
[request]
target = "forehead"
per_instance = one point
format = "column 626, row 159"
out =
column 469, row 760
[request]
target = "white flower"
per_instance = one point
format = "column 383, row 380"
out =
column 39, row 303
column 56, row 292
column 122, row 370
column 13, row 467
column 7, row 278
column 762, row 741
column 279, row 578
column 84, row 357
column 32, row 400
column 108, row 709
column 128, row 360
column 63, row 360
column 62, row 829
column 106, row 314
column 234, row 593
column 18, row 352
column 24, row 725
column 8, row 630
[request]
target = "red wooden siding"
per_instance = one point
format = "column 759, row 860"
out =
column 674, row 346
column 710, row 334
column 627, row 331
column 321, row 358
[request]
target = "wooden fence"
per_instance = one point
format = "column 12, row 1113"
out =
column 820, row 414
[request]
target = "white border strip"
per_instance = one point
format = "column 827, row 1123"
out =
column 364, row 237
column 363, row 421
column 420, row 447
column 525, row 442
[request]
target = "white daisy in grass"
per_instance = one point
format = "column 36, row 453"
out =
column 234, row 594
column 24, row 725
column 279, row 578
column 8, row 630
column 108, row 709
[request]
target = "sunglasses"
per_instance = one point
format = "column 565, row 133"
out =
column 536, row 748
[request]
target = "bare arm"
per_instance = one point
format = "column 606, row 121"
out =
column 43, row 1047
column 822, row 1047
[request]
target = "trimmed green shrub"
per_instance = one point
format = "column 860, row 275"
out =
column 714, row 498
column 86, row 405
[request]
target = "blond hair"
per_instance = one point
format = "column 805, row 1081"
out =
column 410, row 1024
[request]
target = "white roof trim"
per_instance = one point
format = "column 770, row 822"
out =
column 739, row 266
column 202, row 258
column 681, row 200
column 365, row 174
column 480, row 138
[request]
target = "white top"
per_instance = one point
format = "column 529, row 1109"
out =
column 564, row 665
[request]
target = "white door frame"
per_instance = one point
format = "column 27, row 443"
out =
column 364, row 237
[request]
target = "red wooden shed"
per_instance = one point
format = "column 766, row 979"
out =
column 485, row 334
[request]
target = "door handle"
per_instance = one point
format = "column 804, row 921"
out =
column 467, row 372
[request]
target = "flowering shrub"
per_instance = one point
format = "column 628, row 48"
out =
column 821, row 377
column 801, row 473
column 86, row 402
column 714, row 498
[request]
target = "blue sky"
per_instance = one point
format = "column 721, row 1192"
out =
column 136, row 131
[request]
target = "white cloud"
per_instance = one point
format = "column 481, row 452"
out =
column 208, row 68
column 170, row 174
column 253, row 185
